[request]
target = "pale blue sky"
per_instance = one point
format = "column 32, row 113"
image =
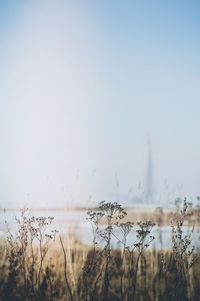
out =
column 82, row 85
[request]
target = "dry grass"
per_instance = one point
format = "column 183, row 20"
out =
column 36, row 264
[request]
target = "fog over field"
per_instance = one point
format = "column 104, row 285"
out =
column 99, row 150
column 84, row 86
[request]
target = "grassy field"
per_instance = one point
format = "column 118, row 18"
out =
column 37, row 263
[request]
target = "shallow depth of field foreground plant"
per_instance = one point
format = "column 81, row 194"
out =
column 39, row 264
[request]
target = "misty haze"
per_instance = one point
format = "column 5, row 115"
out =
column 99, row 156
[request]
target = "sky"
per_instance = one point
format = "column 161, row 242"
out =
column 83, row 86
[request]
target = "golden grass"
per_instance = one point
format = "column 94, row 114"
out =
column 65, row 269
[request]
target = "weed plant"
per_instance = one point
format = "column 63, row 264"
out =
column 36, row 263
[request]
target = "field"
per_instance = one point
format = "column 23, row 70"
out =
column 40, row 263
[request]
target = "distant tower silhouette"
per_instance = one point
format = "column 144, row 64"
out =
column 149, row 190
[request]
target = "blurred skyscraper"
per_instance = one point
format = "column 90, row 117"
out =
column 149, row 189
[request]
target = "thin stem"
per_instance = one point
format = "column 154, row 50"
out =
column 65, row 270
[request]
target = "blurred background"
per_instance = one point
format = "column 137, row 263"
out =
column 99, row 100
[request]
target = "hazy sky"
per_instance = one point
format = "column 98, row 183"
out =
column 82, row 85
